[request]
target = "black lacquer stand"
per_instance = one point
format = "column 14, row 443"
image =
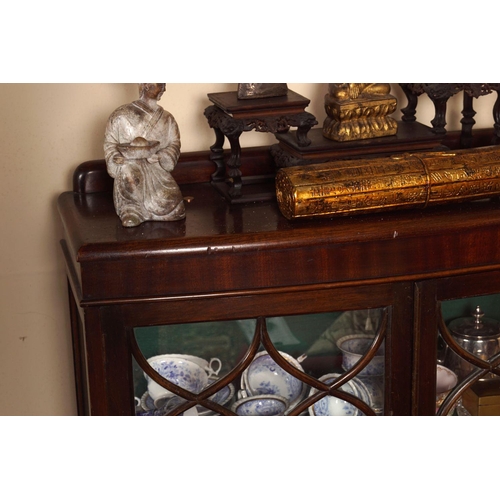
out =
column 230, row 117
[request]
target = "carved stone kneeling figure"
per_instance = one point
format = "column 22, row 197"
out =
column 142, row 147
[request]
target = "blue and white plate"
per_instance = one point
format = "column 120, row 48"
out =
column 260, row 406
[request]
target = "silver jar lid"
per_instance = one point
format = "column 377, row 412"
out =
column 477, row 326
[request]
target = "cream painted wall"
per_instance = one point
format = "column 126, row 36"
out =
column 46, row 130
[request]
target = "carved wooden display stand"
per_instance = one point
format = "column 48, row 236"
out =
column 230, row 117
column 409, row 138
column 440, row 93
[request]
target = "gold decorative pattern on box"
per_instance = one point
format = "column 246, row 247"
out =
column 405, row 181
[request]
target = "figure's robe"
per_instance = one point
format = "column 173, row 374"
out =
column 144, row 189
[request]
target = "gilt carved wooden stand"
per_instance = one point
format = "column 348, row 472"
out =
column 230, row 117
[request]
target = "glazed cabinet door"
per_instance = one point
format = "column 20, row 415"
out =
column 457, row 345
column 311, row 351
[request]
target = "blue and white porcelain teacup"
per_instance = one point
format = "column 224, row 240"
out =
column 375, row 387
column 264, row 377
column 331, row 406
column 353, row 347
column 180, row 371
column 212, row 367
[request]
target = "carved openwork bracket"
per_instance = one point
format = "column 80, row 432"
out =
column 440, row 93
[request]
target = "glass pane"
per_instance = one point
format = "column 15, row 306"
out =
column 192, row 355
column 468, row 341
column 321, row 347
column 333, row 345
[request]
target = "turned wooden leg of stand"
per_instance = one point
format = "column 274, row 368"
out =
column 234, row 165
column 439, row 121
column 410, row 109
column 467, row 122
column 217, row 156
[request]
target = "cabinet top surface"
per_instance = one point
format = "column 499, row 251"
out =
column 211, row 224
column 222, row 248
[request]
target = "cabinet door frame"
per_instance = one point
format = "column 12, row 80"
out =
column 108, row 329
column 428, row 297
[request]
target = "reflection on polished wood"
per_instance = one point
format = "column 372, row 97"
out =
column 406, row 181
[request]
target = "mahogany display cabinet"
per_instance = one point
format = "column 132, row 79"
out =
column 231, row 281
